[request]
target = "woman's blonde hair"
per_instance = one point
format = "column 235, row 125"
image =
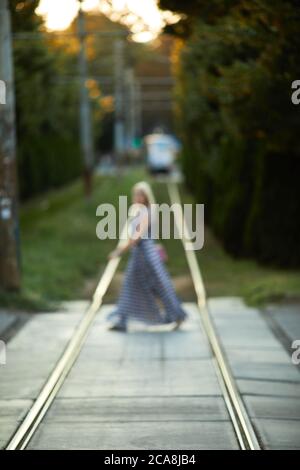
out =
column 145, row 188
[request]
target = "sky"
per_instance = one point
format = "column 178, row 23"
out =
column 60, row 13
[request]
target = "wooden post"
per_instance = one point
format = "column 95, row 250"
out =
column 9, row 221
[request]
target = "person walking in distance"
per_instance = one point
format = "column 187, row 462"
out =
column 146, row 280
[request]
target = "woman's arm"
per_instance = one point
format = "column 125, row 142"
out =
column 141, row 228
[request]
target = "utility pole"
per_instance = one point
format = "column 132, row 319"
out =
column 86, row 138
column 118, row 98
column 130, row 108
column 138, row 104
column 10, row 278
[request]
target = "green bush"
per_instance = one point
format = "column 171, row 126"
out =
column 236, row 62
column 46, row 163
column 47, row 126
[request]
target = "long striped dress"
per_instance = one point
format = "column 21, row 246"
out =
column 146, row 284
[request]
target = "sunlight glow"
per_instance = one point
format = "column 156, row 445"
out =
column 143, row 17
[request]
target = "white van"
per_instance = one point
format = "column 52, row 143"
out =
column 160, row 152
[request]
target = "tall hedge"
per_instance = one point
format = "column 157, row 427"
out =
column 235, row 63
column 48, row 147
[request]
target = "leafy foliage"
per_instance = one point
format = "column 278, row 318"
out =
column 235, row 62
column 48, row 150
column 47, row 93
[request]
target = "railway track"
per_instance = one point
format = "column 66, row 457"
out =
column 241, row 423
column 238, row 414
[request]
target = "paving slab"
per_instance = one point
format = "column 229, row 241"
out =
column 154, row 389
column 288, row 318
column 267, row 371
column 143, row 435
column 6, row 321
column 267, row 379
column 159, row 391
column 11, row 412
column 31, row 355
column 279, row 434
column 268, row 388
column 274, row 407
column 119, row 409
column 266, row 356
column 116, row 379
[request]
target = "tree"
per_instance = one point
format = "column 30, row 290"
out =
column 235, row 62
column 48, row 154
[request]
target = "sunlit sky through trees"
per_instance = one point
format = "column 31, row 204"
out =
column 143, row 17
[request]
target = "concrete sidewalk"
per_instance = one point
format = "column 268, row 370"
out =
column 263, row 369
column 31, row 355
column 152, row 389
column 140, row 390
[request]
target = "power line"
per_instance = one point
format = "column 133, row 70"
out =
column 21, row 36
column 109, row 79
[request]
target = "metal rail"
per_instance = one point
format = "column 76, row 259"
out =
column 238, row 414
column 57, row 377
column 242, row 425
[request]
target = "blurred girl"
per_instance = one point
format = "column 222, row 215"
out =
column 146, row 278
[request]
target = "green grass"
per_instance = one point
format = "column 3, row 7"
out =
column 61, row 253
column 227, row 276
column 60, row 250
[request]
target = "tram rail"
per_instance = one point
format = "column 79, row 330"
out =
column 237, row 412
